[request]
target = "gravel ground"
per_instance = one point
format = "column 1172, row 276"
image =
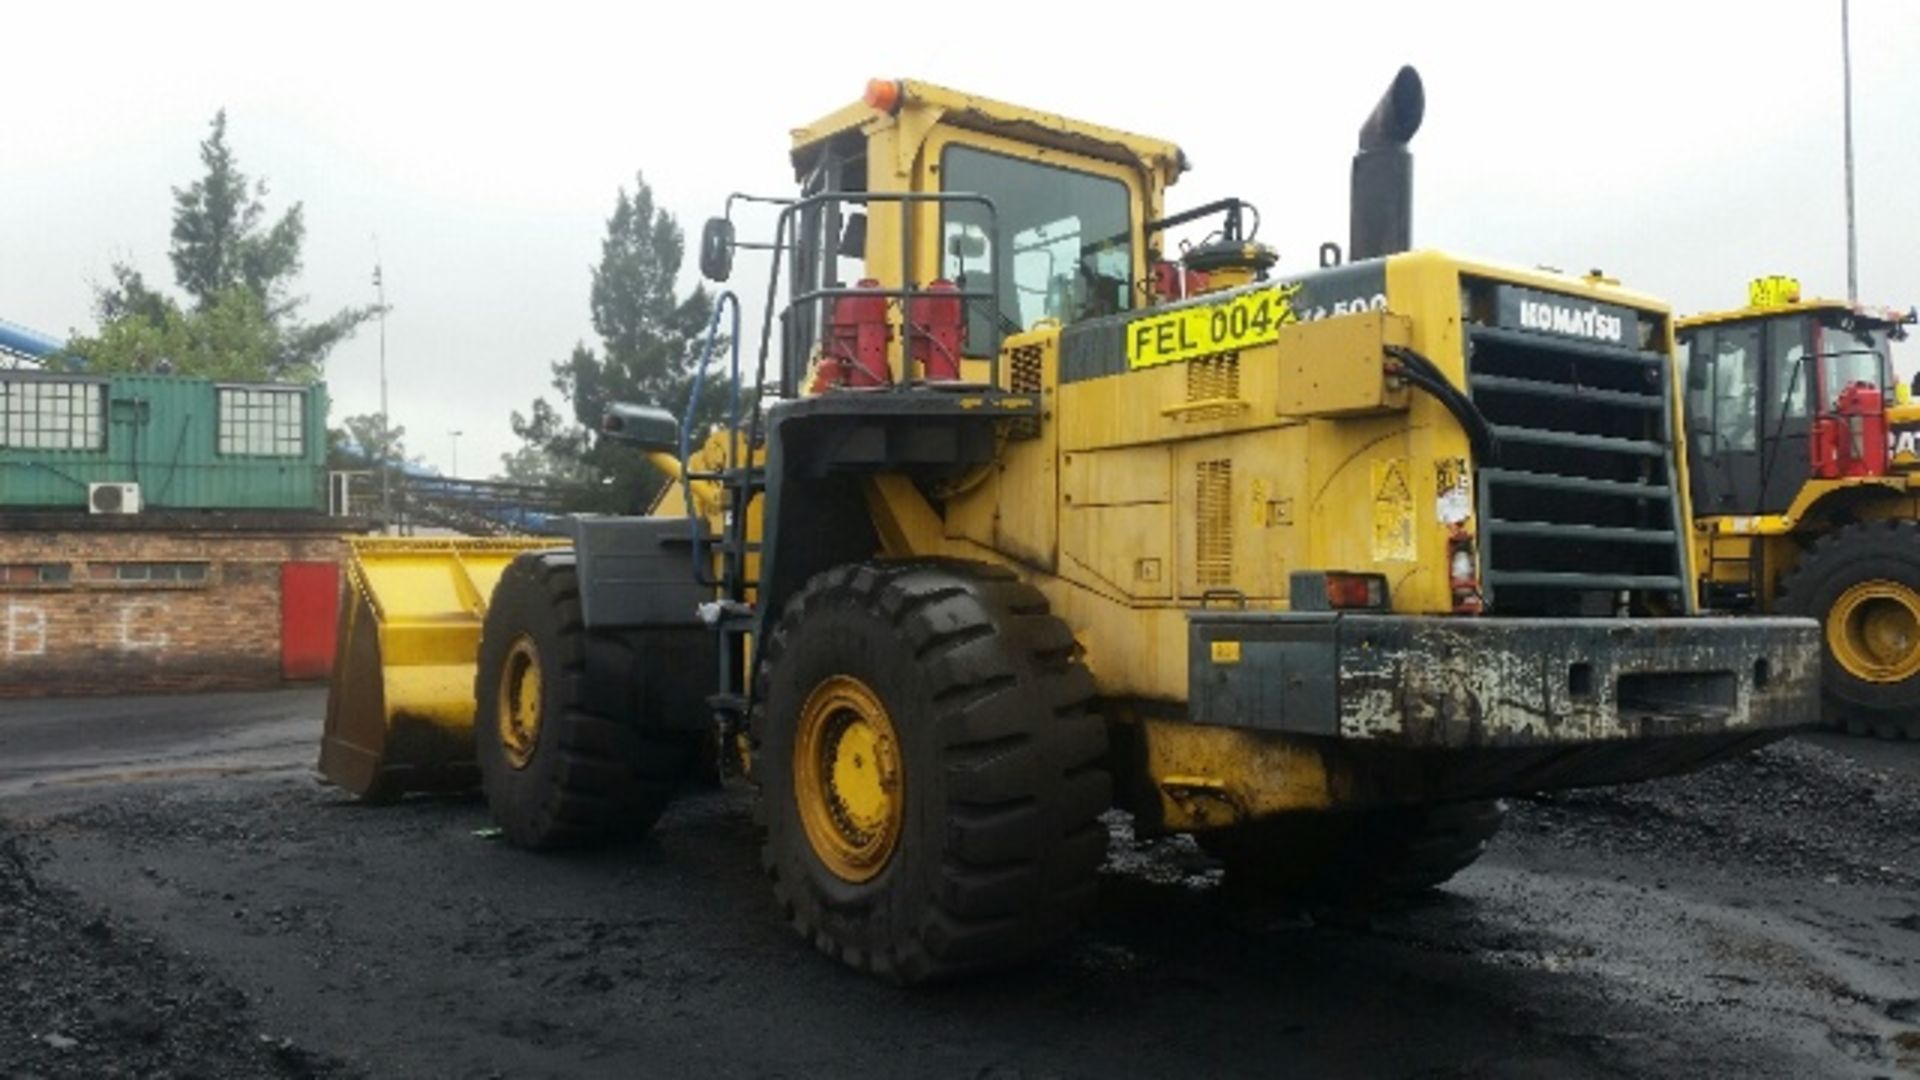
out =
column 1758, row 920
column 88, row 996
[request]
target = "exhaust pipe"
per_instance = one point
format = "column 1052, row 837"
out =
column 1381, row 215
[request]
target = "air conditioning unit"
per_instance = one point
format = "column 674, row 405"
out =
column 113, row 498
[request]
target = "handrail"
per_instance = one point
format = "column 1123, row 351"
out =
column 724, row 302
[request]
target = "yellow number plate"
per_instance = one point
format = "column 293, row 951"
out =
column 1249, row 319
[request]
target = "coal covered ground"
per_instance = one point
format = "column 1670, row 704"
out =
column 180, row 897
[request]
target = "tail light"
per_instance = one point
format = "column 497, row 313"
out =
column 1337, row 590
column 1463, row 573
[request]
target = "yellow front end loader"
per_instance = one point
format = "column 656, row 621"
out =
column 1805, row 479
column 1029, row 520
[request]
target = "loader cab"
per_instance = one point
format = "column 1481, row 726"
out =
column 1781, row 394
column 920, row 201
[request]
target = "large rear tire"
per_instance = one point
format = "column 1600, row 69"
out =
column 1863, row 583
column 931, row 777
column 557, row 772
column 1355, row 859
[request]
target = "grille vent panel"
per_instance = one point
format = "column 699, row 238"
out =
column 1213, row 378
column 1213, row 522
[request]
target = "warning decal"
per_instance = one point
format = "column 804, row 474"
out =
column 1392, row 511
column 1452, row 491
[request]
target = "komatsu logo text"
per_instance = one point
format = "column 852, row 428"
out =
column 1589, row 322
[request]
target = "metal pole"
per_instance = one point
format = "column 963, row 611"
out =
column 386, row 424
column 453, row 470
column 1846, row 70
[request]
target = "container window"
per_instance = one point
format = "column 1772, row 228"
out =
column 262, row 422
column 36, row 573
column 166, row 573
column 52, row 414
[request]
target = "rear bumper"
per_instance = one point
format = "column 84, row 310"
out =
column 1425, row 682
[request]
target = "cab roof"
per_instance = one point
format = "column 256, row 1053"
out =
column 1808, row 306
column 934, row 103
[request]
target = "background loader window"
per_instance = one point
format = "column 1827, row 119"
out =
column 1065, row 249
column 1736, row 388
column 1849, row 357
column 1792, row 372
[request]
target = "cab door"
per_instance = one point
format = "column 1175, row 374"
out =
column 1725, row 372
column 1785, row 418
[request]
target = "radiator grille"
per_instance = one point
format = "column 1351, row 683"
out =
column 1213, row 522
column 1213, row 378
column 1580, row 508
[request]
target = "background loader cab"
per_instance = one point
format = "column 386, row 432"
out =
column 1803, row 491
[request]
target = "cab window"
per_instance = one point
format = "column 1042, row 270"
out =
column 1790, row 366
column 1064, row 250
column 1736, row 388
column 1852, row 356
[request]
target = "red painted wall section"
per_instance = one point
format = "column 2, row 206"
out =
column 309, row 600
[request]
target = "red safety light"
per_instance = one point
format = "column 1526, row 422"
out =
column 1361, row 592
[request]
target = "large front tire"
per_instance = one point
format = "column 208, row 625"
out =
column 559, row 771
column 1863, row 583
column 931, row 776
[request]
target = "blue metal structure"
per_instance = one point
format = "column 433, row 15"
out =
column 22, row 344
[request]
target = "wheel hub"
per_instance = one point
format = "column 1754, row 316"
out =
column 1873, row 631
column 848, row 784
column 519, row 704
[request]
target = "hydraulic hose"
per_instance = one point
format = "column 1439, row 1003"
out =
column 1425, row 374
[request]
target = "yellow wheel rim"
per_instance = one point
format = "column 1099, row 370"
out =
column 519, row 710
column 847, row 781
column 1873, row 630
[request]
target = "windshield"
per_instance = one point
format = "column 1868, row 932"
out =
column 1065, row 244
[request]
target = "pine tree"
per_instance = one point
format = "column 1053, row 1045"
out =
column 238, row 272
column 650, row 341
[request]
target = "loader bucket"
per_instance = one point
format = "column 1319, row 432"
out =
column 400, row 705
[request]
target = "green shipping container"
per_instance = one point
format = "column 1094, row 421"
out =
column 190, row 444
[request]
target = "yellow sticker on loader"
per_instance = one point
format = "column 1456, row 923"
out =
column 1237, row 322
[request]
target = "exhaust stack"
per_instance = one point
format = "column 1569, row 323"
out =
column 1381, row 215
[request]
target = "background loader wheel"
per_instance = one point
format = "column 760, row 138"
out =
column 555, row 772
column 1863, row 584
column 932, row 779
column 1358, row 858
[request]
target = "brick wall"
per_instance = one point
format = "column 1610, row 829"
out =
column 85, row 612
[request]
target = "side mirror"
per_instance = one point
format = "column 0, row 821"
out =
column 853, row 237
column 967, row 245
column 716, row 249
column 648, row 427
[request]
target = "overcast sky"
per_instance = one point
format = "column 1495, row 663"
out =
column 1681, row 147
